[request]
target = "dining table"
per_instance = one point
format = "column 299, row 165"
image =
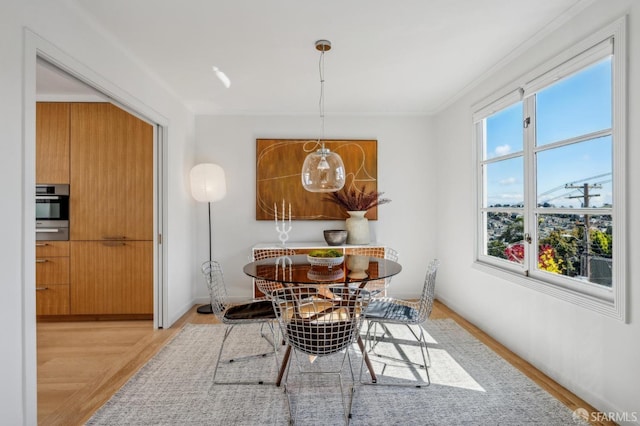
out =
column 301, row 269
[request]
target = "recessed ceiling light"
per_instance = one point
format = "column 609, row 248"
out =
column 222, row 77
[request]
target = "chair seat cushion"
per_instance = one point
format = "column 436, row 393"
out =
column 384, row 309
column 262, row 309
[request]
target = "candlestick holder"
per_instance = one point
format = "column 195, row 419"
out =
column 282, row 227
column 284, row 264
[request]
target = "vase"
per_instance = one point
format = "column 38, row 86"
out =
column 357, row 266
column 357, row 227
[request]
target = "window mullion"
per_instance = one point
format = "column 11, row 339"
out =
column 530, row 228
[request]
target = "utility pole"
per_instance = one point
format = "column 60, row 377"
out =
column 585, row 264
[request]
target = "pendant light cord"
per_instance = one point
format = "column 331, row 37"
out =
column 321, row 102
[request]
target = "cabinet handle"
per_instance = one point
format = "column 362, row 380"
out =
column 42, row 260
column 112, row 237
column 42, row 244
column 113, row 243
column 42, row 288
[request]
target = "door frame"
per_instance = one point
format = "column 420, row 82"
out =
column 37, row 47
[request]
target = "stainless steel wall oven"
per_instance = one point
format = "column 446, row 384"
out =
column 52, row 212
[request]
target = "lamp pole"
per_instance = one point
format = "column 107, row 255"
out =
column 207, row 309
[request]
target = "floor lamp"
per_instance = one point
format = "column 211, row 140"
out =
column 208, row 184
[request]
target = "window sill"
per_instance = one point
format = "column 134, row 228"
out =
column 603, row 305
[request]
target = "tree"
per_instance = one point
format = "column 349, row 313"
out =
column 601, row 243
column 565, row 245
column 496, row 248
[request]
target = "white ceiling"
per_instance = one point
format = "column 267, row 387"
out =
column 388, row 57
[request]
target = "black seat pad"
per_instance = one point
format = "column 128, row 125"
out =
column 262, row 309
column 383, row 309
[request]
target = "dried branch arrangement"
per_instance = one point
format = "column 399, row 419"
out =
column 356, row 199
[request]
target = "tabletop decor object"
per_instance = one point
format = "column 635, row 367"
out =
column 325, row 274
column 356, row 202
column 357, row 266
column 283, row 228
column 328, row 258
column 335, row 237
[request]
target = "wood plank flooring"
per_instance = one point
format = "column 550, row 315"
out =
column 82, row 364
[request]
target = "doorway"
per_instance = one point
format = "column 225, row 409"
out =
column 38, row 49
column 102, row 208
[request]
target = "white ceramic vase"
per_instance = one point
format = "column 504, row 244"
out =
column 357, row 266
column 357, row 227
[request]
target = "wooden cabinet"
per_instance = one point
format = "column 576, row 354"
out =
column 52, row 278
column 105, row 155
column 111, row 209
column 112, row 277
column 373, row 249
column 52, row 142
column 111, row 174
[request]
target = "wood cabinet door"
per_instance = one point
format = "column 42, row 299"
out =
column 52, row 300
column 52, row 270
column 52, row 142
column 111, row 277
column 111, row 174
column 52, row 248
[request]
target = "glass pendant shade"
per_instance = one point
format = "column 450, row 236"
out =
column 323, row 171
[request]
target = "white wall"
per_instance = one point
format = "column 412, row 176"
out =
column 60, row 26
column 593, row 356
column 406, row 165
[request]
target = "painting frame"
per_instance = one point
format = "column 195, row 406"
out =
column 278, row 167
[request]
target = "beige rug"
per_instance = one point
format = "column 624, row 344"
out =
column 471, row 385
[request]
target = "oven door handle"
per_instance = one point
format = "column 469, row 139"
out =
column 47, row 197
column 47, row 230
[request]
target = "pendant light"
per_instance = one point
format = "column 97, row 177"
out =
column 323, row 170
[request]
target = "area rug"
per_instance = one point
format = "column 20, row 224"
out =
column 470, row 385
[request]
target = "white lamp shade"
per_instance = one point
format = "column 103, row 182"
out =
column 323, row 171
column 208, row 183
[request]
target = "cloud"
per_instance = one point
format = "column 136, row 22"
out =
column 512, row 196
column 508, row 181
column 503, row 149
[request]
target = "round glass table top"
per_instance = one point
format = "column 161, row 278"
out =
column 298, row 269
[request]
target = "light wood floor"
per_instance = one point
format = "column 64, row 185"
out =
column 82, row 364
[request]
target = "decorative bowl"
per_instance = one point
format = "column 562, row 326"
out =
column 325, row 275
column 335, row 237
column 325, row 261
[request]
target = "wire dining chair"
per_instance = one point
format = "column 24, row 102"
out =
column 237, row 314
column 412, row 313
column 377, row 288
column 280, row 255
column 319, row 326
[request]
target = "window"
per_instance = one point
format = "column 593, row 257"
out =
column 550, row 176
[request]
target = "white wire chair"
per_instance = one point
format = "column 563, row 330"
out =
column 389, row 310
column 232, row 314
column 315, row 326
column 377, row 288
column 266, row 287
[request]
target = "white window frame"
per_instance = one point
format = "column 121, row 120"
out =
column 607, row 301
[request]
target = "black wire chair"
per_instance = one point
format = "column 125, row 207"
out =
column 315, row 325
column 412, row 313
column 236, row 314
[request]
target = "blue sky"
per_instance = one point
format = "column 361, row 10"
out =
column 574, row 106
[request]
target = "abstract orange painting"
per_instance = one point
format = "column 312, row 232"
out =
column 278, row 166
